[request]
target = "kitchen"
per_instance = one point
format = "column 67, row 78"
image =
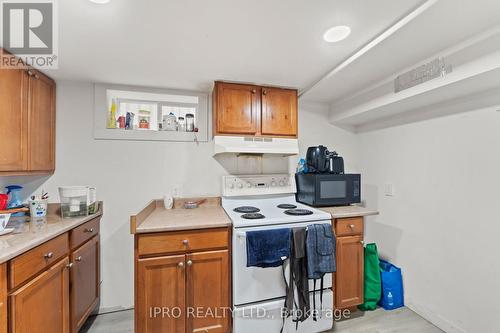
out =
column 413, row 148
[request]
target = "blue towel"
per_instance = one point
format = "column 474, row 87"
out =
column 320, row 245
column 266, row 248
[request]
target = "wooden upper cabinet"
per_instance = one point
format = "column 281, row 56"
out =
column 241, row 109
column 237, row 108
column 349, row 279
column 84, row 282
column 27, row 122
column 13, row 120
column 279, row 112
column 207, row 288
column 42, row 305
column 160, row 290
column 41, row 122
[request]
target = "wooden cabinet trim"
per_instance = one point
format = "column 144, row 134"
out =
column 3, row 298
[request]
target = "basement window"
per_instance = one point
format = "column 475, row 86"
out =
column 139, row 113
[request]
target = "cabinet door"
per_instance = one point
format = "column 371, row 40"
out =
column 349, row 278
column 160, row 295
column 13, row 120
column 279, row 112
column 237, row 109
column 41, row 123
column 42, row 305
column 207, row 285
column 84, row 282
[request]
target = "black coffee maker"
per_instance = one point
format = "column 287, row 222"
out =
column 320, row 160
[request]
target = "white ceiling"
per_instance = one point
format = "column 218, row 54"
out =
column 443, row 25
column 187, row 44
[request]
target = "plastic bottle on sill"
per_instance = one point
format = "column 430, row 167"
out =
column 112, row 115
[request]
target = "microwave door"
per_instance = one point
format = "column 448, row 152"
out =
column 332, row 190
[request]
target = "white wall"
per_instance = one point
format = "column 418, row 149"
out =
column 128, row 174
column 442, row 224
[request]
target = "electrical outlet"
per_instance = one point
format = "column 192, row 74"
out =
column 389, row 190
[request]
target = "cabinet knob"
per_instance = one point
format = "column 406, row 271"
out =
column 36, row 76
column 69, row 265
column 264, row 92
column 351, row 226
column 30, row 73
column 361, row 242
column 91, row 230
column 181, row 264
column 254, row 91
column 189, row 263
column 185, row 242
column 49, row 255
column 79, row 258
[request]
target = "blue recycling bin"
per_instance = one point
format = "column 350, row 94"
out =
column 392, row 286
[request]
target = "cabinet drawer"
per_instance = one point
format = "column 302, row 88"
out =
column 84, row 232
column 182, row 241
column 35, row 260
column 349, row 226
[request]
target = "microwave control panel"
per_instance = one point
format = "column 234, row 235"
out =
column 258, row 185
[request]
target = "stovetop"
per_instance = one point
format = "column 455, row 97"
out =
column 268, row 207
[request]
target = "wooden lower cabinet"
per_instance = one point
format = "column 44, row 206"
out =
column 85, row 282
column 3, row 298
column 349, row 278
column 42, row 305
column 183, row 292
column 160, row 297
column 207, row 281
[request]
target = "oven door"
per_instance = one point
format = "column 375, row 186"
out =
column 255, row 284
column 337, row 190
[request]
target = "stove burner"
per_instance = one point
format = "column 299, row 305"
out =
column 253, row 216
column 297, row 212
column 287, row 206
column 246, row 209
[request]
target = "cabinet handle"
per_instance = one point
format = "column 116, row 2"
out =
column 264, row 92
column 351, row 226
column 185, row 242
column 254, row 91
column 30, row 73
column 79, row 258
column 48, row 255
column 69, row 265
column 361, row 242
column 189, row 263
column 91, row 230
column 181, row 264
column 36, row 76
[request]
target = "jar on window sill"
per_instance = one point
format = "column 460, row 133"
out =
column 182, row 125
column 189, row 122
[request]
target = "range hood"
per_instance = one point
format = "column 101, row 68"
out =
column 255, row 145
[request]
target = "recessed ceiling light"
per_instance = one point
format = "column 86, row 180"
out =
column 337, row 33
column 100, row 2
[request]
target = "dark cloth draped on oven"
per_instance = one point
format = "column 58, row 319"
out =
column 320, row 246
column 268, row 248
column 298, row 303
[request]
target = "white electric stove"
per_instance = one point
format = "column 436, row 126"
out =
column 265, row 202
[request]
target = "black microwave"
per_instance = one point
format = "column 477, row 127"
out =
column 324, row 189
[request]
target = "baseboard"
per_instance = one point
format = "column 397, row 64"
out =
column 434, row 318
column 112, row 309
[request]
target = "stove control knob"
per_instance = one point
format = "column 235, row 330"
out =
column 240, row 185
column 273, row 183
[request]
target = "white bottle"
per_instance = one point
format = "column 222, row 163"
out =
column 390, row 299
column 168, row 201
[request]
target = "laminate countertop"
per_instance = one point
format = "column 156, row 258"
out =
column 29, row 233
column 156, row 218
column 339, row 212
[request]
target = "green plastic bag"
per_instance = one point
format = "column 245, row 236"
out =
column 373, row 284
